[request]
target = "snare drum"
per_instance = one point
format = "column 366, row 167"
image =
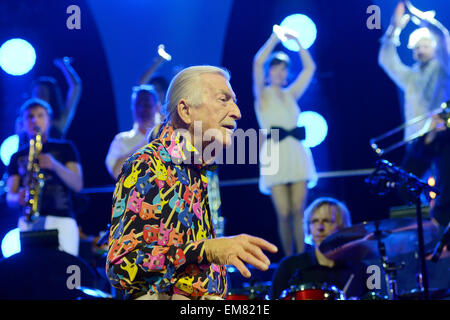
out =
column 312, row 291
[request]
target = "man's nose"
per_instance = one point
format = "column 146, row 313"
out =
column 236, row 112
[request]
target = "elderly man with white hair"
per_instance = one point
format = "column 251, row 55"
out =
column 162, row 243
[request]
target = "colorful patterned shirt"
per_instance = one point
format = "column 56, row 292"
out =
column 160, row 219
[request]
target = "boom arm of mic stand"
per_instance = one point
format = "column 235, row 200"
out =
column 415, row 187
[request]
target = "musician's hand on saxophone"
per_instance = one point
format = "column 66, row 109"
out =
column 70, row 173
column 21, row 197
column 46, row 161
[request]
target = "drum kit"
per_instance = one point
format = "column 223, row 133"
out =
column 383, row 240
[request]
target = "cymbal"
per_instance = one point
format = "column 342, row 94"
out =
column 360, row 241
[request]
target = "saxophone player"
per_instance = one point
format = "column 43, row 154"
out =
column 58, row 166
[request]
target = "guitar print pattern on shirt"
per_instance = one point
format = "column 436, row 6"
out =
column 160, row 218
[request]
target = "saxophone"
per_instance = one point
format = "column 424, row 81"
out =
column 34, row 179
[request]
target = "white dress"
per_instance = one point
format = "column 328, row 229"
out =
column 288, row 161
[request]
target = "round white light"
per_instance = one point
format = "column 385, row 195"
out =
column 305, row 29
column 9, row 146
column 17, row 57
column 315, row 126
column 11, row 243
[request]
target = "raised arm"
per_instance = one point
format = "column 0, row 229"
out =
column 438, row 30
column 73, row 95
column 258, row 64
column 388, row 57
column 162, row 57
column 304, row 78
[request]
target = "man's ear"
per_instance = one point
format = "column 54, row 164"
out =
column 184, row 111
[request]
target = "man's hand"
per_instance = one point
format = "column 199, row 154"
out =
column 400, row 19
column 437, row 125
column 62, row 63
column 239, row 250
column 21, row 197
column 46, row 161
column 419, row 17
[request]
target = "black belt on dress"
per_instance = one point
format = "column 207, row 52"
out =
column 298, row 133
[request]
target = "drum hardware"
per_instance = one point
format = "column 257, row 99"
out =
column 390, row 269
column 347, row 284
column 387, row 177
column 377, row 239
column 359, row 241
column 250, row 291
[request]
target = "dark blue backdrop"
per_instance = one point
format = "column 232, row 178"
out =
column 119, row 39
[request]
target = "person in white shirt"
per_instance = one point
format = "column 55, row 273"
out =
column 145, row 105
column 426, row 84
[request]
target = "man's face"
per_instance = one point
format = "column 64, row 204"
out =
column 424, row 50
column 322, row 224
column 145, row 107
column 218, row 111
column 36, row 117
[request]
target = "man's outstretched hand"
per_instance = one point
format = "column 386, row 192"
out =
column 238, row 250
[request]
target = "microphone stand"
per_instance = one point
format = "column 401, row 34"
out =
column 423, row 266
column 392, row 177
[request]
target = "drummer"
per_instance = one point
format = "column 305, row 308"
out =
column 322, row 218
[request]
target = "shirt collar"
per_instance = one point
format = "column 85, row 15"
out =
column 181, row 150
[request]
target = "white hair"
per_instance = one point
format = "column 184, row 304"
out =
column 418, row 34
column 187, row 85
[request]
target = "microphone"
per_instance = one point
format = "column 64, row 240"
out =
column 445, row 239
column 381, row 182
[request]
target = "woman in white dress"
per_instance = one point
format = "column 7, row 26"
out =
column 276, row 107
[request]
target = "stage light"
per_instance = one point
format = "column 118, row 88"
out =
column 9, row 146
column 11, row 243
column 17, row 57
column 315, row 126
column 305, row 29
